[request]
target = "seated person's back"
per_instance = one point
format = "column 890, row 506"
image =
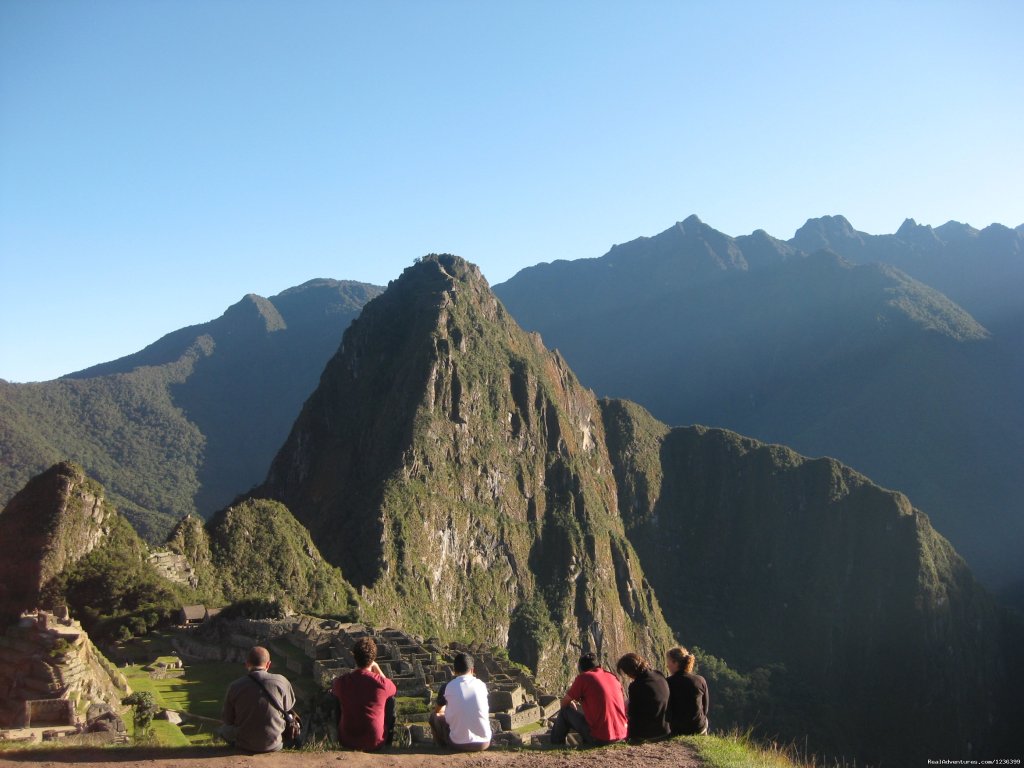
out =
column 463, row 717
column 603, row 716
column 647, row 708
column 688, row 695
column 364, row 696
column 251, row 721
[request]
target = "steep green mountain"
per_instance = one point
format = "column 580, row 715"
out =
column 191, row 421
column 860, row 362
column 57, row 519
column 61, row 542
column 884, row 647
column 258, row 550
column 455, row 469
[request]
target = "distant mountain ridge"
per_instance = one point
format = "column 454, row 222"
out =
column 982, row 270
column 460, row 481
column 809, row 349
column 192, row 420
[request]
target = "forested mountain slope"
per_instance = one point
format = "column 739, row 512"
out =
column 856, row 361
column 192, row 420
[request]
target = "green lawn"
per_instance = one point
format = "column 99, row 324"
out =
column 197, row 689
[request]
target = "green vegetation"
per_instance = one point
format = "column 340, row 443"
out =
column 114, row 591
column 260, row 551
column 797, row 571
column 456, row 468
column 182, row 426
column 143, row 709
column 737, row 750
column 196, row 690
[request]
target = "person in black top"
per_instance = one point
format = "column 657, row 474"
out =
column 688, row 699
column 647, row 708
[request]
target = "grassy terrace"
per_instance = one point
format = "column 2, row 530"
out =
column 196, row 690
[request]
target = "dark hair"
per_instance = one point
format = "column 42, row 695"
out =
column 683, row 658
column 258, row 656
column 463, row 663
column 631, row 664
column 365, row 652
column 588, row 661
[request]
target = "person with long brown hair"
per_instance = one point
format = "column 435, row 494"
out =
column 647, row 707
column 688, row 694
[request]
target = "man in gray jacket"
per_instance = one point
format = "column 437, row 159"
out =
column 251, row 721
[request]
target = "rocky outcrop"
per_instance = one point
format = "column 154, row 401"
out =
column 455, row 470
column 48, row 662
column 770, row 558
column 59, row 517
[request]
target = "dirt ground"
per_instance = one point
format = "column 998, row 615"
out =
column 660, row 755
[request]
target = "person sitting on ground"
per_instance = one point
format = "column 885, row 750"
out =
column 462, row 720
column 647, row 708
column 367, row 701
column 603, row 716
column 688, row 695
column 251, row 721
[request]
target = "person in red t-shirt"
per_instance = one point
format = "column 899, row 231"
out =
column 603, row 716
column 367, row 701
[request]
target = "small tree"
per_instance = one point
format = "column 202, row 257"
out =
column 144, row 706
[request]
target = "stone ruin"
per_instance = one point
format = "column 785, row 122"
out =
column 49, row 672
column 418, row 666
column 174, row 567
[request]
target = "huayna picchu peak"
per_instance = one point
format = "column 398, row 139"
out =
column 456, row 471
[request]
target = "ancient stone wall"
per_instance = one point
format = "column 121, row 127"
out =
column 49, row 669
column 39, row 712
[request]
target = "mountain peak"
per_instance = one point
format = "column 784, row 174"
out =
column 254, row 311
column 448, row 463
column 691, row 224
column 913, row 232
column 832, row 232
column 57, row 518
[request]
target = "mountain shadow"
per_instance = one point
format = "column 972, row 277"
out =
column 191, row 421
column 884, row 647
column 856, row 361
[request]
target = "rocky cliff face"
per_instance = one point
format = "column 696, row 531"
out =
column 456, row 471
column 43, row 657
column 765, row 557
column 56, row 519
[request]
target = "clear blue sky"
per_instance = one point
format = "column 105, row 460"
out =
column 159, row 159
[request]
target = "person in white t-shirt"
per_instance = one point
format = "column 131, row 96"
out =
column 462, row 720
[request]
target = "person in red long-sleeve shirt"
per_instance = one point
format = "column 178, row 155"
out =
column 367, row 701
column 602, row 717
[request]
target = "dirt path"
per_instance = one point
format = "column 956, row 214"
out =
column 660, row 755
